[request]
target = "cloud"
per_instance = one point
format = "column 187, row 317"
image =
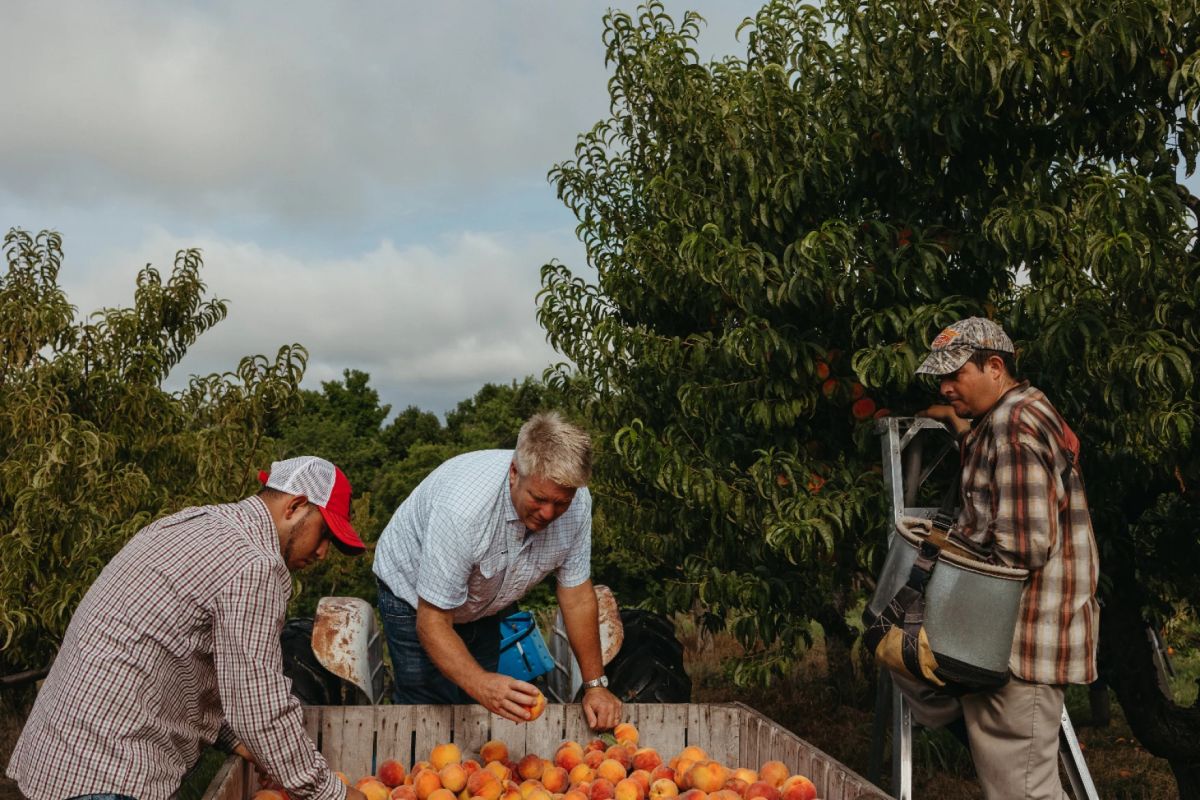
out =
column 431, row 324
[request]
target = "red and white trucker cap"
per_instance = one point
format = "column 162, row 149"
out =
column 325, row 486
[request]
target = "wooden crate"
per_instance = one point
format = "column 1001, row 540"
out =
column 354, row 739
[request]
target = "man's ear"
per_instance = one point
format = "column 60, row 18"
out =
column 294, row 505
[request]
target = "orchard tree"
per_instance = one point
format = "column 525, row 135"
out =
column 92, row 448
column 775, row 238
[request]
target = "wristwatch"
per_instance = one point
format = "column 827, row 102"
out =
column 596, row 683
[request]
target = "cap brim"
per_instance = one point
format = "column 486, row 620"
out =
column 344, row 536
column 943, row 362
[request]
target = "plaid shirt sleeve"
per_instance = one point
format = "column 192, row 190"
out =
column 259, row 709
column 1026, row 483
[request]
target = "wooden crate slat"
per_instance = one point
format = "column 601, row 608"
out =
column 312, row 724
column 545, row 734
column 432, row 726
column 724, row 734
column 575, row 727
column 358, row 741
column 394, row 734
column 331, row 739
column 748, row 738
column 511, row 733
column 472, row 729
column 665, row 724
column 229, row 782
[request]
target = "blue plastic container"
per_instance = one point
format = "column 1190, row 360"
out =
column 523, row 651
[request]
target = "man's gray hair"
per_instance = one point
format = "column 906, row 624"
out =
column 550, row 447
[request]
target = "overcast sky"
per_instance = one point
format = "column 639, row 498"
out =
column 367, row 178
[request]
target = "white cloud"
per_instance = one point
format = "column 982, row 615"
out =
column 431, row 324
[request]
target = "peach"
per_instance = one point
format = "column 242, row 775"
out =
column 404, row 792
column 643, row 779
column 628, row 789
column 602, row 789
column 646, row 758
column 539, row 794
column 511, row 792
column 597, row 744
column 611, row 770
column 625, row 733
column 420, row 765
column 391, row 773
column 555, row 779
column 724, row 794
column 593, row 758
column 662, row 789
column 471, row 765
column 798, row 787
column 621, row 754
column 693, row 794
column 738, row 786
column 683, row 769
column 453, row 777
column 568, row 755
column 530, row 766
column 539, row 705
column 484, row 784
column 493, row 750
column 442, row 794
column 694, row 753
column 425, row 783
column 576, row 794
column 774, row 773
column 444, row 754
column 581, row 773
column 662, row 771
column 373, row 788
column 707, row 776
column 761, row 789
column 748, row 776
column 501, row 771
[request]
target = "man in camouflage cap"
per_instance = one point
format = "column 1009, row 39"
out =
column 1022, row 500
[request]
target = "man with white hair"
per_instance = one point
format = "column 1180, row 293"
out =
column 478, row 533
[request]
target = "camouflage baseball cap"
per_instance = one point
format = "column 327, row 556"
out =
column 951, row 348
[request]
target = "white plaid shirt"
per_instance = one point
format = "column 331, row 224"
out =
column 457, row 541
column 175, row 646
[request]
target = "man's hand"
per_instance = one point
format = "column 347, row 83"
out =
column 504, row 695
column 601, row 708
column 264, row 779
column 945, row 415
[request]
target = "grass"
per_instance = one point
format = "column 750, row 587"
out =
column 804, row 703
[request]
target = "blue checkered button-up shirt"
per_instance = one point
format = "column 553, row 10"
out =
column 457, row 541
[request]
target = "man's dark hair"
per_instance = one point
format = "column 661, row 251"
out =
column 980, row 357
column 267, row 492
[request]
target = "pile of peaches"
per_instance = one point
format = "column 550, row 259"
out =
column 596, row 771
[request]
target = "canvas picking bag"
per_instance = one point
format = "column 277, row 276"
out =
column 941, row 613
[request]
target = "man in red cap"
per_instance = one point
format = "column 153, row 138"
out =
column 176, row 646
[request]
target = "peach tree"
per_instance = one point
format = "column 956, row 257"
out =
column 92, row 447
column 773, row 238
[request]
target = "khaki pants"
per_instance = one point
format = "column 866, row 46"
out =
column 1013, row 733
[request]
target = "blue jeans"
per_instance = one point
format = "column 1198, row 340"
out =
column 415, row 678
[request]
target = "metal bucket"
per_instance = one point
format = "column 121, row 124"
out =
column 970, row 606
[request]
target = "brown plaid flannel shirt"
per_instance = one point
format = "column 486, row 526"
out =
column 175, row 646
column 1022, row 497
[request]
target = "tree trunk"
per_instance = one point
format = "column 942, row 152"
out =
column 1165, row 729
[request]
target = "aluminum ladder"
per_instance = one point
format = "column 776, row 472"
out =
column 904, row 441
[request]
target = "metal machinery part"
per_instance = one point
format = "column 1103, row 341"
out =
column 347, row 641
